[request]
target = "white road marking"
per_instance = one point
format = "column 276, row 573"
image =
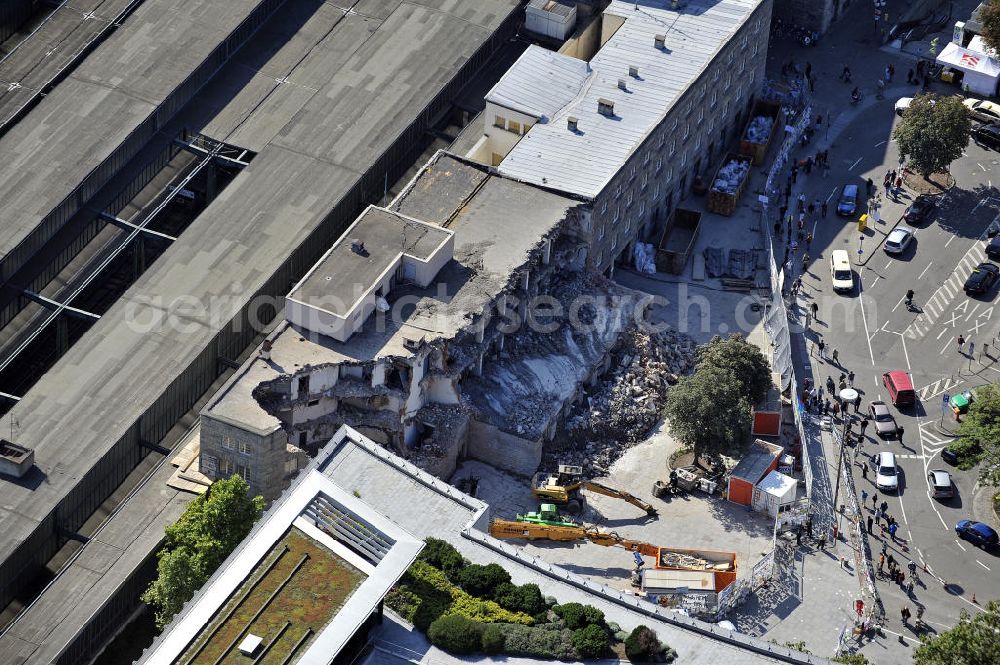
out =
column 925, row 270
column 943, row 331
column 981, row 166
column 946, row 345
column 899, row 303
column 831, row 195
column 906, row 354
column 961, row 545
column 887, row 265
column 851, row 168
column 876, row 281
column 864, row 318
column 880, row 143
column 982, row 564
column 949, row 240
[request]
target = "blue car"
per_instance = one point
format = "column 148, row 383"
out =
column 977, row 533
column 847, row 204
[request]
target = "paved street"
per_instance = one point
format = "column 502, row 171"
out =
column 874, row 332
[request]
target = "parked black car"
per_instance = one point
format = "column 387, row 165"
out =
column 921, row 208
column 993, row 248
column 987, row 136
column 982, row 278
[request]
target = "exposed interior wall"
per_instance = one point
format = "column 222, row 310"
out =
column 502, row 450
column 585, row 40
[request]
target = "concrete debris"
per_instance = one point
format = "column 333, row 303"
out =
column 645, row 257
column 759, row 129
column 625, row 404
column 730, row 176
column 714, row 258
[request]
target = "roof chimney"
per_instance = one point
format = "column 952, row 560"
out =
column 621, row 85
column 605, row 107
column 358, row 246
column 571, row 124
column 659, row 41
column 633, row 71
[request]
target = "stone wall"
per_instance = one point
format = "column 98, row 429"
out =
column 502, row 450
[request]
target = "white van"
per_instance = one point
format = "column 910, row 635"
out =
column 840, row 271
column 886, row 473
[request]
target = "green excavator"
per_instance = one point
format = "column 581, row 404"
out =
column 548, row 515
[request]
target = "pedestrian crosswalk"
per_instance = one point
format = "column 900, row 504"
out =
column 944, row 298
column 939, row 387
column 933, row 440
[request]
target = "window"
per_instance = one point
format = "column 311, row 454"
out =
column 739, row 95
column 656, row 191
column 673, row 146
column 753, row 75
column 642, row 209
column 604, row 207
column 226, row 467
column 514, row 127
column 500, row 121
column 600, row 257
column 614, row 241
column 244, row 448
column 604, row 228
column 684, row 160
column 313, row 402
column 659, row 164
column 227, row 442
column 645, row 158
column 645, row 179
column 670, row 175
column 618, row 213
column 618, row 190
column 715, row 76
column 687, row 130
column 701, row 115
column 755, row 48
column 673, row 128
column 631, row 172
column 715, row 97
column 628, row 199
column 243, row 471
column 729, row 80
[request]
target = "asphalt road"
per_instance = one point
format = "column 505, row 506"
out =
column 874, row 332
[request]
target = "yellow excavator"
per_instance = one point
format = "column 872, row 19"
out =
column 564, row 488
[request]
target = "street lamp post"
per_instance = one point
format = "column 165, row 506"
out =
column 847, row 396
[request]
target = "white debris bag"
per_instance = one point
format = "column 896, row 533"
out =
column 645, row 258
column 730, row 176
column 759, row 129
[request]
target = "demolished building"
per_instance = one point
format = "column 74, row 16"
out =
column 417, row 329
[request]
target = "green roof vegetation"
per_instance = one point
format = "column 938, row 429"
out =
column 297, row 588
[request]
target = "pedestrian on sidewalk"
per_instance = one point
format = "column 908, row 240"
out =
column 864, row 493
column 822, row 209
column 809, row 69
column 850, row 378
column 809, row 527
column 870, row 521
column 812, row 84
column 881, row 561
column 909, row 76
column 869, row 186
column 798, row 536
column 821, row 344
column 864, row 474
column 893, row 528
column 857, row 404
column 822, row 541
column 886, row 180
column 864, row 425
column 809, row 164
column 815, row 311
column 892, row 72
column 972, row 348
column 809, row 239
column 909, row 588
column 836, row 356
column 961, row 343
column 802, row 202
column 899, row 184
column 795, row 173
column 899, row 434
column 826, row 407
column 885, row 507
column 905, row 614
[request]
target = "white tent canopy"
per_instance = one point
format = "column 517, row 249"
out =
column 980, row 72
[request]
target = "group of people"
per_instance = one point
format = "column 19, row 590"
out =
column 892, row 182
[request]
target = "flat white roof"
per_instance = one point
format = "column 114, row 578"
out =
column 777, row 484
column 541, row 83
column 583, row 162
column 243, row 563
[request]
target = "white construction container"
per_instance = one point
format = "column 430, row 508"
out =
column 550, row 18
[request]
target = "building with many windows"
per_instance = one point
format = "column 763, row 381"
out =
column 629, row 128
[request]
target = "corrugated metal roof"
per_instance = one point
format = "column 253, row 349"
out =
column 553, row 7
column 541, row 83
column 583, row 162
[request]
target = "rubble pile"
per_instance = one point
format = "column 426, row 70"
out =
column 645, row 257
column 730, row 176
column 759, row 129
column 621, row 409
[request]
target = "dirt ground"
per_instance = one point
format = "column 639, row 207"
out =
column 694, row 521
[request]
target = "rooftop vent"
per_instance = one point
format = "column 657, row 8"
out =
column 677, row 4
column 571, row 123
column 659, row 40
column 605, row 107
column 358, row 247
column 15, row 460
column 633, row 71
column 411, row 343
column 622, row 85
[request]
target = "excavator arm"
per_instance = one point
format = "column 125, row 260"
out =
column 506, row 529
column 598, row 488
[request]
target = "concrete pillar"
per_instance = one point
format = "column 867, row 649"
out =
column 139, row 257
column 210, row 183
column 62, row 334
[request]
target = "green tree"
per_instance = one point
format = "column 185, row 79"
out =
column 933, row 132
column 198, row 542
column 709, row 413
column 989, row 18
column 972, row 640
column 743, row 359
column 980, row 433
column 591, row 641
column 852, row 659
column 642, row 645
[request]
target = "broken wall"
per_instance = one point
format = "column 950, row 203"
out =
column 504, row 451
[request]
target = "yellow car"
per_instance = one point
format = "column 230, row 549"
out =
column 983, row 110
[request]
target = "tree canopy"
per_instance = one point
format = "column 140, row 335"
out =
column 198, row 542
column 933, row 132
column 746, row 362
column 973, row 639
column 980, row 433
column 709, row 412
column 989, row 18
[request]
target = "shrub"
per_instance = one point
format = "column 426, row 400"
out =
column 526, row 598
column 591, row 641
column 577, row 615
column 493, row 639
column 456, row 634
column 481, row 581
column 545, row 641
column 427, row 594
column 642, row 645
column 442, row 555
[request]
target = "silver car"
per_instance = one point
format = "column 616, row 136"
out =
column 941, row 484
column 899, row 238
column 885, row 424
